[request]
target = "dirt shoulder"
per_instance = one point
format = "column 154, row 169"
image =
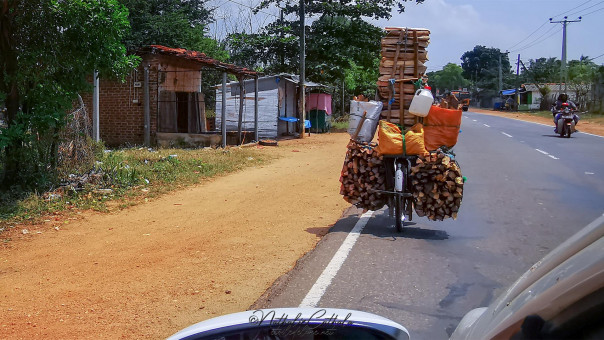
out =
column 592, row 127
column 151, row 270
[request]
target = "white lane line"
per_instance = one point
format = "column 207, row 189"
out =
column 590, row 134
column 554, row 157
column 486, row 125
column 589, row 173
column 543, row 152
column 318, row 289
column 505, row 134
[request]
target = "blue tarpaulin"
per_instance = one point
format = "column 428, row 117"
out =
column 508, row 92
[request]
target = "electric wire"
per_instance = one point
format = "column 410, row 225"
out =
column 590, row 59
column 250, row 7
column 572, row 9
column 597, row 10
column 540, row 27
column 538, row 40
column 523, row 40
column 584, row 9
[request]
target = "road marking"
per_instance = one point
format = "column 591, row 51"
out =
column 590, row 134
column 474, row 120
column 589, row 173
column 318, row 289
column 505, row 134
column 545, row 153
column 486, row 125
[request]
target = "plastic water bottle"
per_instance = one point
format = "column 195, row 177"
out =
column 398, row 178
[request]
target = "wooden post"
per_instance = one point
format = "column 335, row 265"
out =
column 95, row 107
column 223, row 113
column 256, row 138
column 241, row 101
column 147, row 110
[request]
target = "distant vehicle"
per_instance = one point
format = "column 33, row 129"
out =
column 463, row 97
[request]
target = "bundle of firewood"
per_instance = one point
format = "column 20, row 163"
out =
column 437, row 186
column 363, row 173
column 402, row 64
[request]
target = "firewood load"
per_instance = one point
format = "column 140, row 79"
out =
column 363, row 173
column 437, row 186
column 403, row 57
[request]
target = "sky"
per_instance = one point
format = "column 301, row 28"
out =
column 518, row 26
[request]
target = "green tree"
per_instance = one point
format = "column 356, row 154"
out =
column 481, row 66
column 47, row 48
column 340, row 46
column 544, row 70
column 449, row 78
column 172, row 23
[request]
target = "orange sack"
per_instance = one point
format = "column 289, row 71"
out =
column 441, row 128
column 390, row 140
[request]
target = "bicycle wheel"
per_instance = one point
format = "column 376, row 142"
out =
column 398, row 213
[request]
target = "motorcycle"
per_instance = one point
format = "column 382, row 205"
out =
column 565, row 124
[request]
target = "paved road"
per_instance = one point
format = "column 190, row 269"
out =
column 527, row 191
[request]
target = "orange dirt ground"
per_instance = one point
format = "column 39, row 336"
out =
column 151, row 270
column 584, row 126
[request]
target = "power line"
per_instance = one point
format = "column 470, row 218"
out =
column 521, row 41
column 590, row 59
column 572, row 9
column 535, row 31
column 537, row 40
column 250, row 7
column 597, row 10
column 584, row 9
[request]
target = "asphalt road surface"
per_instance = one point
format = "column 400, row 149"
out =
column 527, row 191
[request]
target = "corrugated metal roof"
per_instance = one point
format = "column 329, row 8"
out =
column 198, row 57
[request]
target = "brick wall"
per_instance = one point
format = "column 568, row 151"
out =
column 121, row 119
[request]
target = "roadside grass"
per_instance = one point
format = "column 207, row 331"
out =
column 127, row 177
column 592, row 118
column 340, row 124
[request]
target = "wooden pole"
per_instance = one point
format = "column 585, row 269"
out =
column 256, row 138
column 223, row 113
column 302, row 66
column 147, row 110
column 241, row 101
column 95, row 107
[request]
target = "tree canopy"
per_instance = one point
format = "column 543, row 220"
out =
column 47, row 48
column 449, row 78
column 172, row 23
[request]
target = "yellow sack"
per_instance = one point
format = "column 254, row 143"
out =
column 390, row 140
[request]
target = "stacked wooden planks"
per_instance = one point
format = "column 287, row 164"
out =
column 403, row 57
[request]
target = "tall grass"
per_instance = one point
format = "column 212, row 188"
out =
column 129, row 175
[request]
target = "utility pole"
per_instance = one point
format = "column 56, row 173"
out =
column 282, row 50
column 501, row 72
column 302, row 66
column 563, row 73
column 517, row 82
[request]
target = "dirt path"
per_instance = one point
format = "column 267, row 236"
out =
column 148, row 271
column 584, row 126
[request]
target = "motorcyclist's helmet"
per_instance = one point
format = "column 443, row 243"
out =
column 563, row 97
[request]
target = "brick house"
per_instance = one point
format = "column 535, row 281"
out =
column 176, row 102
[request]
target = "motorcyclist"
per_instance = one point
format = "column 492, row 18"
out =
column 556, row 107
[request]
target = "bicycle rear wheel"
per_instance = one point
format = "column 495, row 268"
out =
column 398, row 213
